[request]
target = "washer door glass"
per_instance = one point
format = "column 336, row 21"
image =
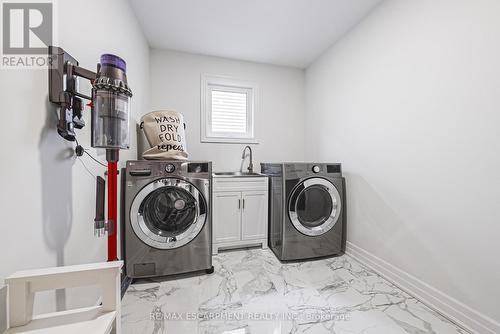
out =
column 314, row 206
column 168, row 213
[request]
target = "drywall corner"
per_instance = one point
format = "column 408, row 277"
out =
column 3, row 309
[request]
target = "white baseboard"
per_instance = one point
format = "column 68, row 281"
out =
column 461, row 314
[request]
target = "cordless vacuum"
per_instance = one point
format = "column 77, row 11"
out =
column 110, row 111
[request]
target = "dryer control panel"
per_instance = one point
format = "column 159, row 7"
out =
column 306, row 168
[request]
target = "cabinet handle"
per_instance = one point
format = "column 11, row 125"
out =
column 243, row 204
column 239, row 203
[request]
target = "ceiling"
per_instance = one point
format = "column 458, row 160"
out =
column 283, row 32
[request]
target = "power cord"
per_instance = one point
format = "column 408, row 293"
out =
column 100, row 163
column 80, row 150
column 86, row 168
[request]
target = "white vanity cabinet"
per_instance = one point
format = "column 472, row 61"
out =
column 239, row 212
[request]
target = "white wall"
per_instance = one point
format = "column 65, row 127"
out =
column 47, row 198
column 409, row 102
column 175, row 84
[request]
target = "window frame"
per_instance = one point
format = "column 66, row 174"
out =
column 229, row 84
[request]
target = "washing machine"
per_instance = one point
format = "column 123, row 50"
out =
column 166, row 217
column 307, row 210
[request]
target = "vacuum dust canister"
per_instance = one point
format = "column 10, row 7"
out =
column 111, row 104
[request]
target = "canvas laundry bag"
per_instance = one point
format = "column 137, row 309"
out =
column 164, row 130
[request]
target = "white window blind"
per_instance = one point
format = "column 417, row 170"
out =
column 229, row 112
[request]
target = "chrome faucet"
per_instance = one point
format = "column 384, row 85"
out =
column 243, row 156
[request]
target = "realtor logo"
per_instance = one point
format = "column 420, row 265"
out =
column 27, row 31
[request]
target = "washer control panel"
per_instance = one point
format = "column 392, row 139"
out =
column 150, row 169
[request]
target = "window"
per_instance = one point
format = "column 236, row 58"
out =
column 227, row 110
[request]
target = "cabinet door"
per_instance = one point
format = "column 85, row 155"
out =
column 254, row 215
column 226, row 216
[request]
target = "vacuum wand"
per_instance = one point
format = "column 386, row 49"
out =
column 112, row 209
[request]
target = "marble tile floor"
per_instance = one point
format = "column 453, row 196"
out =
column 252, row 292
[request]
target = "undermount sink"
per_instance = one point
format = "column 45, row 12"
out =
column 237, row 174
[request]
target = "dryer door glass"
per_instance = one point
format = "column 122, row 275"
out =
column 168, row 213
column 314, row 206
